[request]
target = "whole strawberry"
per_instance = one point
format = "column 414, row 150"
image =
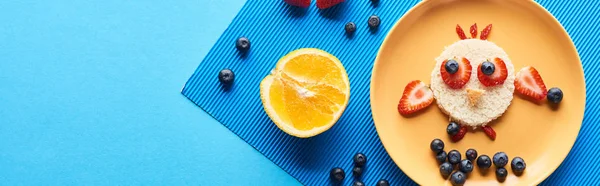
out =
column 323, row 4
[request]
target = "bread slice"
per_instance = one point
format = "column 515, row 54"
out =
column 493, row 101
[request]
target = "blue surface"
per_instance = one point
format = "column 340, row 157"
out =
column 90, row 95
column 276, row 29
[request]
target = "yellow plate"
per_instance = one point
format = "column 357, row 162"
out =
column 539, row 133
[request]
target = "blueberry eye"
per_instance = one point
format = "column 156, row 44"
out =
column 451, row 66
column 488, row 68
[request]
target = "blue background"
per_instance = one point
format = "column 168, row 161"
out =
column 90, row 94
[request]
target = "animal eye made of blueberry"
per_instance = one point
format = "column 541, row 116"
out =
column 492, row 72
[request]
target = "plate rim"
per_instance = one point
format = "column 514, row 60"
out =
column 535, row 5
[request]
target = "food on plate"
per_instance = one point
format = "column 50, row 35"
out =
column 306, row 93
column 226, row 76
column 461, row 134
column 454, row 157
column 501, row 173
column 441, row 156
column 500, row 159
column 518, row 165
column 446, row 169
column 465, row 166
column 484, row 162
column 242, row 44
column 471, row 154
column 436, row 145
column 530, row 83
column 458, row 178
column 452, row 128
column 416, row 96
column 555, row 95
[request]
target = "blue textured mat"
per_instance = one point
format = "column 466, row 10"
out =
column 276, row 29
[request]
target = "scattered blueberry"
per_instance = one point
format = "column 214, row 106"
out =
column 518, row 165
column 337, row 174
column 382, row 182
column 242, row 44
column 465, row 166
column 350, row 27
column 500, row 159
column 374, row 21
column 226, row 76
column 471, row 154
column 458, row 178
column 451, row 66
column 484, row 162
column 358, row 183
column 360, row 159
column 357, row 171
column 487, row 68
column 501, row 173
column 554, row 95
column 454, row 157
column 446, row 169
column 437, row 145
column 441, row 157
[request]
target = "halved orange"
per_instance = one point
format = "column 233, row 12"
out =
column 306, row 93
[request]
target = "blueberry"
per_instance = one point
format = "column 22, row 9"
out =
column 360, row 159
column 452, row 128
column 446, row 169
column 242, row 44
column 358, row 183
column 226, row 76
column 437, row 145
column 501, row 173
column 374, row 21
column 487, row 68
column 451, row 66
column 500, row 159
column 357, row 171
column 350, row 27
column 337, row 174
column 454, row 157
column 484, row 162
column 471, row 154
column 441, row 157
column 554, row 95
column 465, row 166
column 518, row 165
column 458, row 178
column 382, row 182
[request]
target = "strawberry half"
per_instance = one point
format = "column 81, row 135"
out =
column 323, row 4
column 489, row 131
column 460, row 77
column 298, row 3
column 497, row 78
column 529, row 82
column 415, row 97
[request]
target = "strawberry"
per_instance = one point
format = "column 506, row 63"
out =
column 460, row 32
column 298, row 3
column 323, row 4
column 529, row 83
column 460, row 135
column 415, row 97
column 459, row 78
column 473, row 30
column 497, row 77
column 489, row 131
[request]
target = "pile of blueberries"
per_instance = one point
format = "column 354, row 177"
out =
column 448, row 162
column 338, row 174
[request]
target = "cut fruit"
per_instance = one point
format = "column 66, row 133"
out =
column 306, row 93
column 529, row 83
column 416, row 96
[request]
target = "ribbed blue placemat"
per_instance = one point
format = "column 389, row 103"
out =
column 275, row 29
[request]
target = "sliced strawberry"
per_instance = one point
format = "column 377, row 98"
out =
column 415, row 97
column 497, row 78
column 298, row 3
column 460, row 32
column 460, row 135
column 460, row 77
column 323, row 4
column 529, row 83
column 473, row 30
column 489, row 131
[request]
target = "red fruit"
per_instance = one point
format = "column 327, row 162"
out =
column 460, row 32
column 473, row 30
column 415, row 97
column 323, row 4
column 489, row 131
column 486, row 32
column 529, row 83
column 460, row 78
column 497, row 78
column 299, row 3
column 461, row 134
